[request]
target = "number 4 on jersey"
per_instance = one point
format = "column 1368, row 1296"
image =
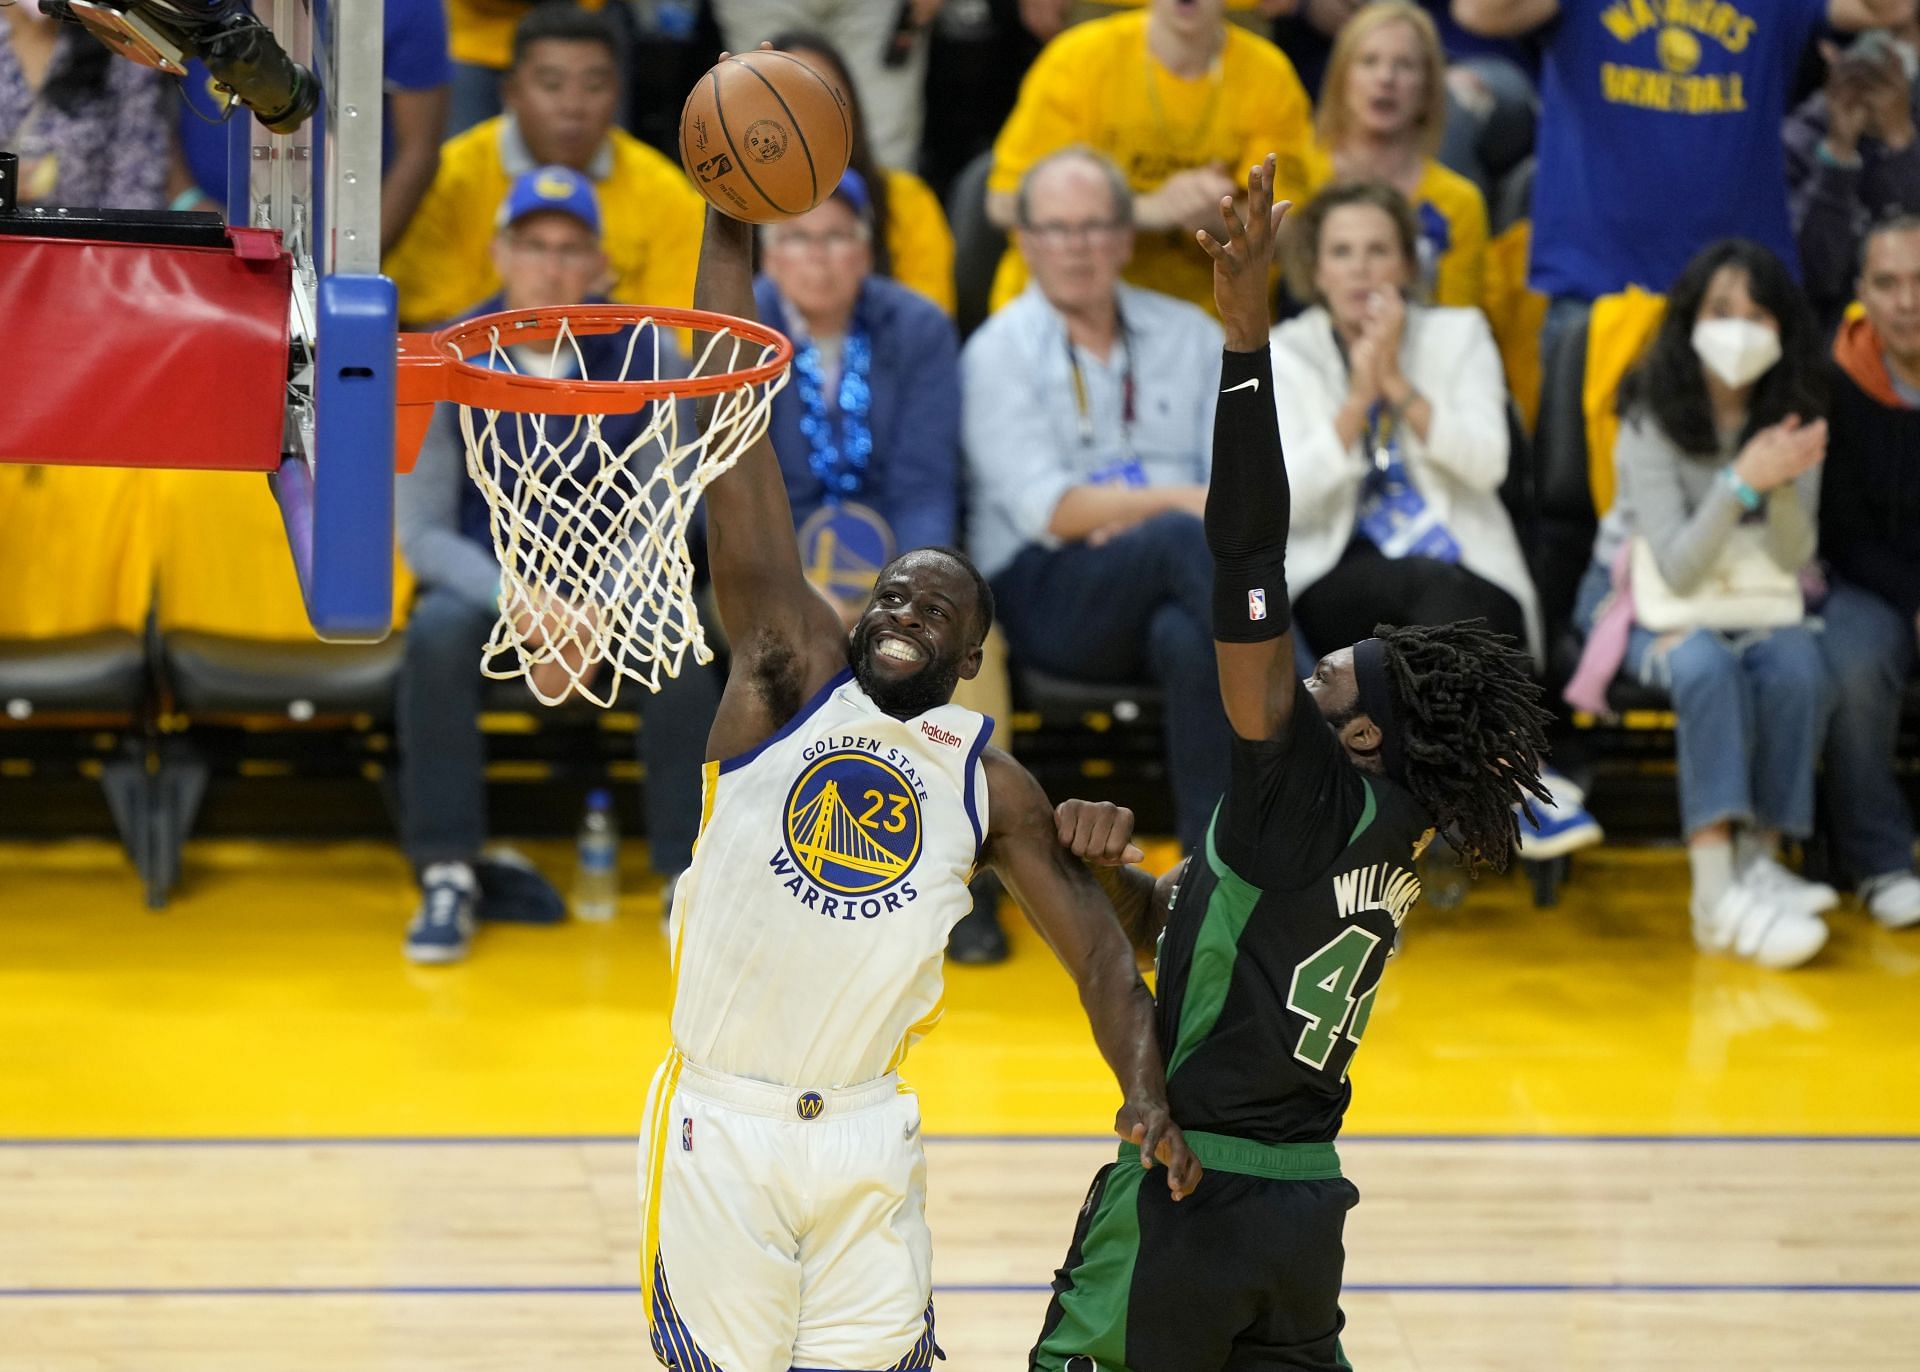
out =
column 1322, row 993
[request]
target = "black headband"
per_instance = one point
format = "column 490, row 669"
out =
column 1376, row 698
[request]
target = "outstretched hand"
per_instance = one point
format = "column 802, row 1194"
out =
column 1242, row 252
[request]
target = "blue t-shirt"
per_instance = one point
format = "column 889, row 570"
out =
column 415, row 58
column 1660, row 132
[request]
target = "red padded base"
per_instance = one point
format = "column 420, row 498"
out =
column 135, row 355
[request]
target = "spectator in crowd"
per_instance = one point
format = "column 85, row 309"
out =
column 1183, row 102
column 90, row 130
column 1393, row 416
column 1659, row 133
column 871, row 418
column 868, row 432
column 1380, row 118
column 1087, row 417
column 415, row 74
column 1870, row 536
column 562, row 93
column 1852, row 158
column 913, row 244
column 1718, row 457
column 884, row 41
column 480, row 36
column 547, row 249
column 980, row 51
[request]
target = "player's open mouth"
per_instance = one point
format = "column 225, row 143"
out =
column 898, row 650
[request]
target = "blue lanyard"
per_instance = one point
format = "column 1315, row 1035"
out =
column 838, row 453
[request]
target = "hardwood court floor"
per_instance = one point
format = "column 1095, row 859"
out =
column 245, row 1135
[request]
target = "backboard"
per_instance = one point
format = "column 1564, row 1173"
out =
column 170, row 340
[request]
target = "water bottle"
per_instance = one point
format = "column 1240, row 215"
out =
column 596, row 881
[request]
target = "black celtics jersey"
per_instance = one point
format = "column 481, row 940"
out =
column 1279, row 935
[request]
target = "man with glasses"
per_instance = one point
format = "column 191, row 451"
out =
column 1087, row 418
column 547, row 251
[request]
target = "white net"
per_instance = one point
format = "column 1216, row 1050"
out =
column 590, row 513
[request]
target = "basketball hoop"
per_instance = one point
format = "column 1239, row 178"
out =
column 592, row 465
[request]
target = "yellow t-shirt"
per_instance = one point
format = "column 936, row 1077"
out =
column 480, row 32
column 1451, row 211
column 650, row 225
column 918, row 238
column 1097, row 84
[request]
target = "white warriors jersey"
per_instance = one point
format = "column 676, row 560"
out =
column 809, row 933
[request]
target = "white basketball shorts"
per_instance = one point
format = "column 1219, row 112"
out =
column 784, row 1228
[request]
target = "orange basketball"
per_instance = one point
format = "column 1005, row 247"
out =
column 765, row 137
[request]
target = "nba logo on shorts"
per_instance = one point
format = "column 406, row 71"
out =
column 1256, row 604
column 686, row 1134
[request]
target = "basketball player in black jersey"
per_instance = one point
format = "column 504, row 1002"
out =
column 1278, row 932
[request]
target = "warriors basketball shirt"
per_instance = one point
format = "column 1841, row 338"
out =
column 808, row 934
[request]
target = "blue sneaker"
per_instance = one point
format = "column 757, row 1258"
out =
column 1560, row 828
column 442, row 927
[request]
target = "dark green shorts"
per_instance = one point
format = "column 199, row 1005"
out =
column 1243, row 1274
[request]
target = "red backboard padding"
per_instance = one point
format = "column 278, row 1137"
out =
column 136, row 355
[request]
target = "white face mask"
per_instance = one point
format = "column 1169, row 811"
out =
column 1738, row 351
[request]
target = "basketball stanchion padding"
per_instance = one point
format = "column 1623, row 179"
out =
column 146, row 355
column 592, row 463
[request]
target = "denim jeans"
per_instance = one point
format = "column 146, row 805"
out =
column 1749, row 708
column 1138, row 608
column 1869, row 648
column 443, row 793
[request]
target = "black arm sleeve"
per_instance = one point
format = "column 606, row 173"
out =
column 1248, row 505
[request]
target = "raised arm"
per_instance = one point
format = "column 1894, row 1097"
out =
column 786, row 639
column 1064, row 902
column 1249, row 505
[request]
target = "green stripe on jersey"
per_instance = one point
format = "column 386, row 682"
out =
column 1367, row 814
column 1093, row 1312
column 1229, row 907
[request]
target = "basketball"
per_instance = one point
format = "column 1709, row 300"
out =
column 765, row 137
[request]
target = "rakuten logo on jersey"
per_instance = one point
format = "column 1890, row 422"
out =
column 939, row 735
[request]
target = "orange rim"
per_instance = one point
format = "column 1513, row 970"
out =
column 436, row 365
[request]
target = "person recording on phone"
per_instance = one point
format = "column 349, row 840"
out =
column 1853, row 159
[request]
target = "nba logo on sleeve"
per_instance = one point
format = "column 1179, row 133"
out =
column 1256, row 604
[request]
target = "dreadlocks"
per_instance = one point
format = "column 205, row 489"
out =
column 1473, row 731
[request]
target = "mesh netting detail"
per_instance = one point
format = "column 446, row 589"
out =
column 589, row 513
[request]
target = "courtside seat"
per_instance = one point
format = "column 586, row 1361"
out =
column 85, row 674
column 212, row 674
column 977, row 243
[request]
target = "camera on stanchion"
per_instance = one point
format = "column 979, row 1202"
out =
column 240, row 52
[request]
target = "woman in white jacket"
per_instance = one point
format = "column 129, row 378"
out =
column 1394, row 418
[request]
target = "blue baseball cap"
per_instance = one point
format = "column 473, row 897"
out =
column 559, row 189
column 853, row 190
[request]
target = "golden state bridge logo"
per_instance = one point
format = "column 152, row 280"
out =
column 853, row 827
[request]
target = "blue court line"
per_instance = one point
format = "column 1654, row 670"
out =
column 1104, row 1140
column 993, row 1289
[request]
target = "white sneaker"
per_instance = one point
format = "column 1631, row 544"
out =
column 1768, row 877
column 1758, row 926
column 1893, row 900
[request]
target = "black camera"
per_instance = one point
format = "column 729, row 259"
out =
column 240, row 51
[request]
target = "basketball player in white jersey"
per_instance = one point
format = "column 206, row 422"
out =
column 847, row 803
